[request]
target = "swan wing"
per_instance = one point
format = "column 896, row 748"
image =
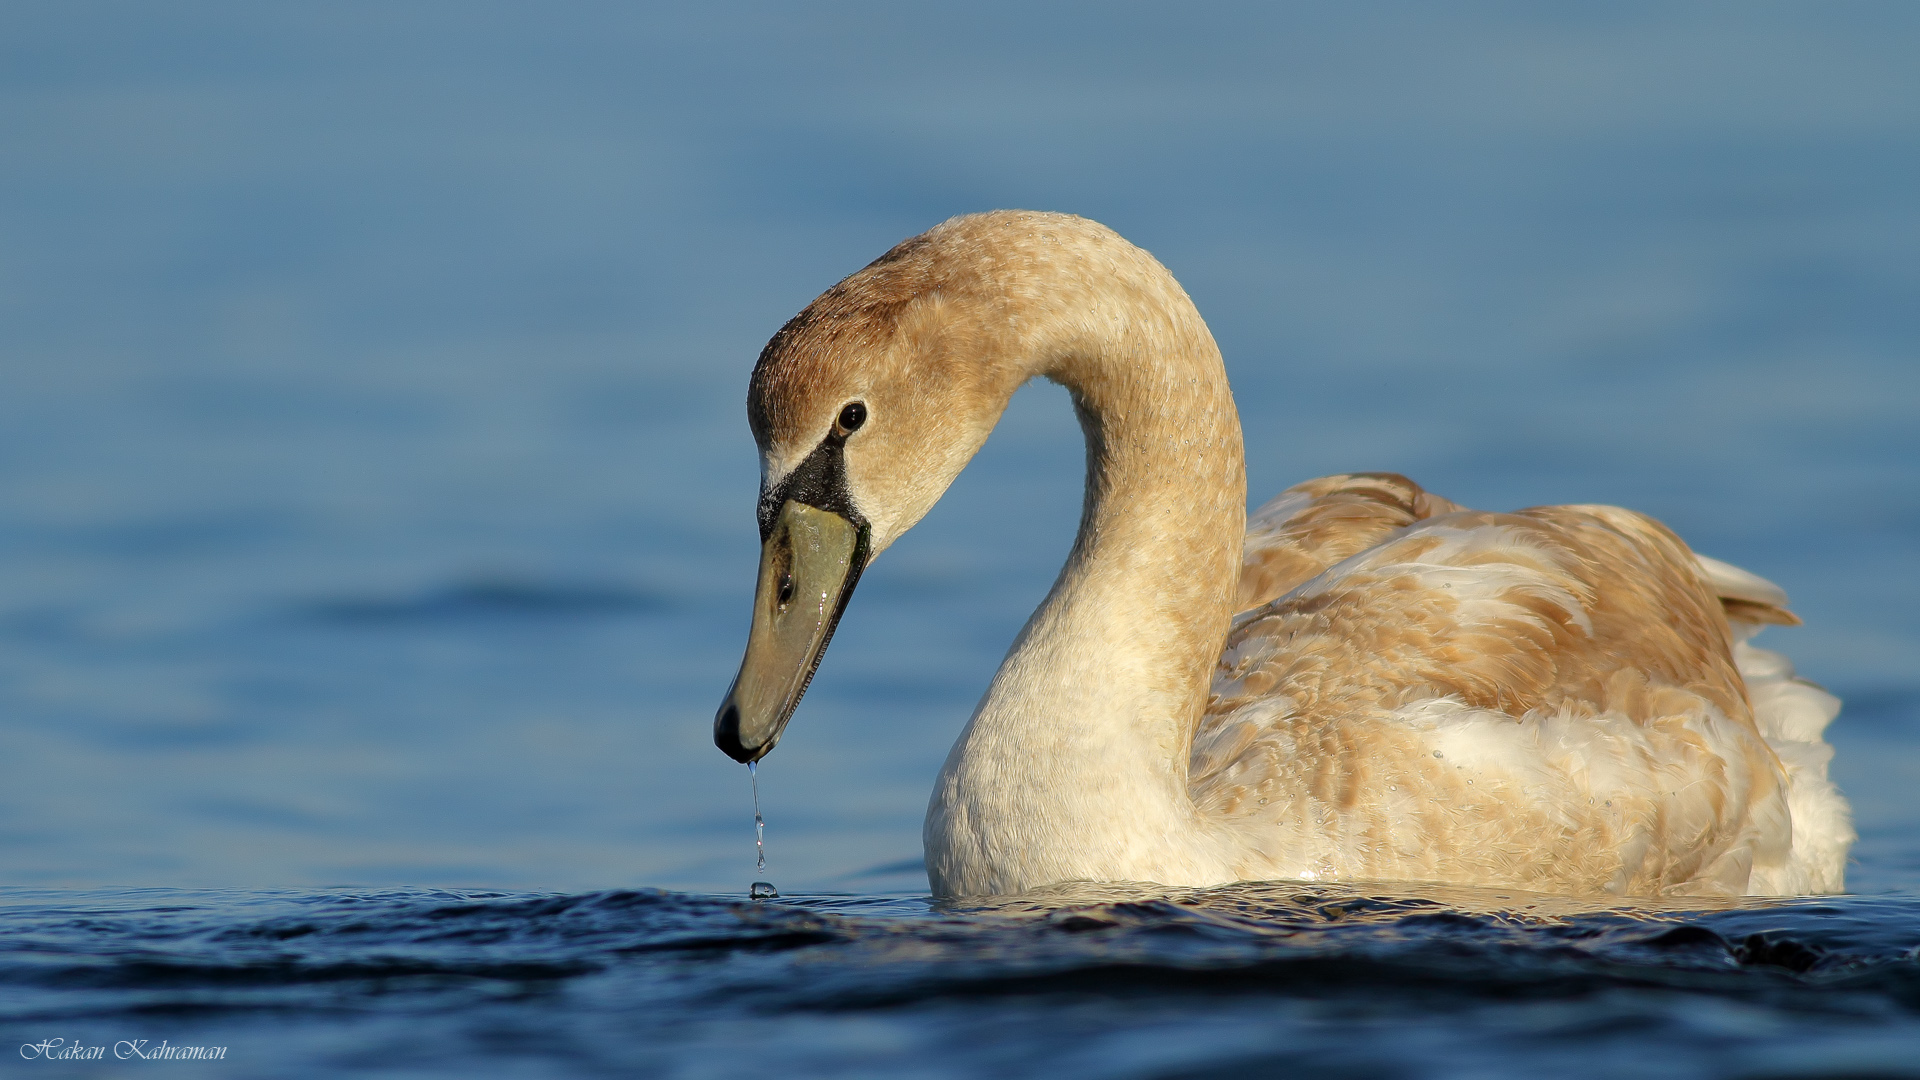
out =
column 1544, row 699
column 1311, row 526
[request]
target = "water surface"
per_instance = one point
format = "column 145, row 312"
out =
column 1244, row 980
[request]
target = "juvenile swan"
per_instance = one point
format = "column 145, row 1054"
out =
column 1559, row 699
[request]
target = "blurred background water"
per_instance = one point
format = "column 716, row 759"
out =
column 375, row 492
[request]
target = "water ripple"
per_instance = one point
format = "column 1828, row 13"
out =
column 340, row 965
column 488, row 597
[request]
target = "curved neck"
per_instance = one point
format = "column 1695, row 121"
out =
column 1148, row 587
column 1075, row 761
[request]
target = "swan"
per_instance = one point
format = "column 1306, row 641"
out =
column 1362, row 681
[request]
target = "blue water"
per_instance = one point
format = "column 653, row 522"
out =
column 376, row 512
column 1252, row 980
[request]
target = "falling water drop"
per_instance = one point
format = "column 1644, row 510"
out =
column 759, row 890
column 759, row 825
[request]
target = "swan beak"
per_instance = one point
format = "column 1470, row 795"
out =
column 809, row 564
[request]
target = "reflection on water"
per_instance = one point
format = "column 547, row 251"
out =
column 1335, row 900
column 376, row 504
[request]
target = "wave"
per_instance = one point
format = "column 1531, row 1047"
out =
column 488, row 597
column 1073, row 964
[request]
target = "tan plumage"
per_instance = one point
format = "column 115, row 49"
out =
column 1553, row 699
column 1590, row 627
column 1313, row 525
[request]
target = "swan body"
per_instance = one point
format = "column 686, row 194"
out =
column 1364, row 681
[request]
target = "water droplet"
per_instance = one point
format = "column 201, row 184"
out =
column 1438, row 754
column 762, row 890
column 759, row 826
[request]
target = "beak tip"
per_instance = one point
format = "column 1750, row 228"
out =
column 726, row 736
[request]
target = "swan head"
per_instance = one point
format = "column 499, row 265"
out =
column 865, row 406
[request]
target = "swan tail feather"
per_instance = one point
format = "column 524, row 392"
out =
column 1792, row 715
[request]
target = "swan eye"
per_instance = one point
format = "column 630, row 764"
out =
column 852, row 415
column 786, row 590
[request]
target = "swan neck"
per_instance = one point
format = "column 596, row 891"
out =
column 1075, row 762
column 1154, row 565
